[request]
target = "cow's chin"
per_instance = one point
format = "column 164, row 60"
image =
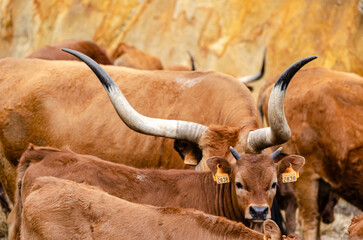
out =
column 257, row 225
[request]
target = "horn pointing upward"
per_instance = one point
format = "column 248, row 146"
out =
column 252, row 78
column 279, row 131
column 152, row 126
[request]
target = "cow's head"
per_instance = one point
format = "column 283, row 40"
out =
column 211, row 141
column 254, row 179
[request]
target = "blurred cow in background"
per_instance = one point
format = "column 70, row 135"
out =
column 129, row 56
column 54, row 51
column 325, row 110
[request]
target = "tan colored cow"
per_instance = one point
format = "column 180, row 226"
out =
column 325, row 110
column 60, row 103
column 129, row 56
column 356, row 228
column 54, row 52
column 246, row 198
column 62, row 209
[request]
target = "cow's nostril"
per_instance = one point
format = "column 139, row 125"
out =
column 252, row 211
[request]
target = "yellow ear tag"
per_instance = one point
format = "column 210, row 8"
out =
column 290, row 175
column 220, row 177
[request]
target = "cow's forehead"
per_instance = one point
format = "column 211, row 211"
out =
column 253, row 167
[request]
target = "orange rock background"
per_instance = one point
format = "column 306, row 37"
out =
column 227, row 36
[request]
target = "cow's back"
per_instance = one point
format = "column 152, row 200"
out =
column 54, row 52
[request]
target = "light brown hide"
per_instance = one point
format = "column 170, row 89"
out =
column 61, row 103
column 54, row 52
column 129, row 56
column 62, row 209
column 182, row 188
column 324, row 109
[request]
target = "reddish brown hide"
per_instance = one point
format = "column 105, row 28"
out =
column 325, row 110
column 62, row 209
column 54, row 52
column 252, row 186
column 61, row 103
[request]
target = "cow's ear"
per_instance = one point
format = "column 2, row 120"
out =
column 271, row 230
column 222, row 163
column 189, row 152
column 296, row 161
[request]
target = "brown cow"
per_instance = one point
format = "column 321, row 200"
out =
column 59, row 103
column 62, row 209
column 325, row 111
column 356, row 228
column 54, row 52
column 129, row 56
column 246, row 198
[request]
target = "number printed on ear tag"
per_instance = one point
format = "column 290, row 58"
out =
column 290, row 175
column 220, row 176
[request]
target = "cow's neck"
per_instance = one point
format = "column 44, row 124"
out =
column 226, row 202
column 220, row 199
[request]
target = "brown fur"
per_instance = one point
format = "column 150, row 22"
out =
column 356, row 228
column 78, row 211
column 324, row 109
column 327, row 199
column 177, row 68
column 61, row 103
column 182, row 188
column 54, row 52
column 129, row 56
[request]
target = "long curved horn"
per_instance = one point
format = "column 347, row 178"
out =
column 279, row 131
column 152, row 126
column 255, row 77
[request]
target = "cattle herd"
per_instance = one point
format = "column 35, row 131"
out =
column 184, row 156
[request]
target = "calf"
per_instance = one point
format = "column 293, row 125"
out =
column 247, row 197
column 62, row 209
column 54, row 52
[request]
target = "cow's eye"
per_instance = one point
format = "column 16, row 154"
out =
column 239, row 185
column 273, row 186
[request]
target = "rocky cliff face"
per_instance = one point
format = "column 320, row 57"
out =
column 227, row 36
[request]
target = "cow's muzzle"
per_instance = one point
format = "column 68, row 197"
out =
column 258, row 212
